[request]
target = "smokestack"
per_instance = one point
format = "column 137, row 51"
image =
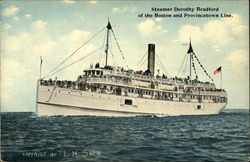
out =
column 151, row 59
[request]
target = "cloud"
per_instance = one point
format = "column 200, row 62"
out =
column 16, row 85
column 16, row 19
column 117, row 10
column 5, row 27
column 217, row 31
column 222, row 31
column 175, row 41
column 75, row 35
column 216, row 48
column 158, row 19
column 39, row 25
column 10, row 11
column 73, row 40
column 239, row 60
column 68, row 1
column 28, row 16
column 21, row 60
column 93, row 2
column 149, row 27
column 189, row 31
column 17, row 42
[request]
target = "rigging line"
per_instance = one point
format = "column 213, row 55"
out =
column 119, row 48
column 181, row 64
column 194, row 67
column 142, row 58
column 185, row 66
column 163, row 66
column 75, row 61
column 112, row 56
column 196, row 71
column 110, row 50
column 74, row 52
column 158, row 63
column 203, row 68
column 100, row 56
column 142, row 63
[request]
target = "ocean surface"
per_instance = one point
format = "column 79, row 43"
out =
column 223, row 137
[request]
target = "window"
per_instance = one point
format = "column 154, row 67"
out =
column 198, row 107
column 98, row 72
column 128, row 102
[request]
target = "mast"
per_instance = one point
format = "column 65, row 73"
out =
column 109, row 27
column 41, row 67
column 190, row 62
column 190, row 52
column 193, row 55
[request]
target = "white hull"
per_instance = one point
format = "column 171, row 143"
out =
column 61, row 101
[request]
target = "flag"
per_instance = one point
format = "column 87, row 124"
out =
column 217, row 71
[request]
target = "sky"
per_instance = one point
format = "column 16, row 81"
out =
column 55, row 29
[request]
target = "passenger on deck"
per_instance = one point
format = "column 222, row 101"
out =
column 97, row 65
column 164, row 76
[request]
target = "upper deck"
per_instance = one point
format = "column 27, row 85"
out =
column 120, row 75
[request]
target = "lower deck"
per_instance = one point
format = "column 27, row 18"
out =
column 54, row 101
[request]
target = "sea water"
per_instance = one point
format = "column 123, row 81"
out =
column 223, row 137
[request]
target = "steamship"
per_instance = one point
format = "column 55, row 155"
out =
column 115, row 91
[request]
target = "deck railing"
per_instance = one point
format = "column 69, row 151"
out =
column 198, row 94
